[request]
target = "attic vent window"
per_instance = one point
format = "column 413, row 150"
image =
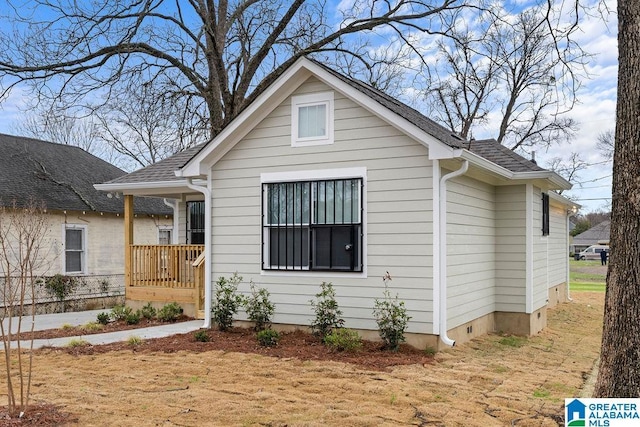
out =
column 312, row 119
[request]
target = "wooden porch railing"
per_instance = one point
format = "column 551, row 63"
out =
column 167, row 266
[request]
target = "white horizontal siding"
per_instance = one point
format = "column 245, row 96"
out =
column 540, row 251
column 470, row 250
column 399, row 217
column 558, row 250
column 511, row 248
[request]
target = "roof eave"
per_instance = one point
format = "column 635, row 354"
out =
column 553, row 180
column 152, row 188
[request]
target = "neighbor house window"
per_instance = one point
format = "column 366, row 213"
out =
column 74, row 249
column 164, row 236
column 312, row 119
column 545, row 214
column 195, row 223
column 313, row 225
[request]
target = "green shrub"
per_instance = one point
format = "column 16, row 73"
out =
column 170, row 312
column 120, row 312
column 67, row 326
column 268, row 337
column 391, row 316
column 326, row 310
column 133, row 318
column 148, row 311
column 134, row 341
column 343, row 339
column 103, row 318
column 259, row 308
column 77, row 342
column 61, row 286
column 226, row 301
column 202, row 336
column 92, row 327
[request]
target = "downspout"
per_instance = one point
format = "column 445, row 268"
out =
column 206, row 190
column 442, row 283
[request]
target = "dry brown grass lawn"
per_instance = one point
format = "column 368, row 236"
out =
column 491, row 381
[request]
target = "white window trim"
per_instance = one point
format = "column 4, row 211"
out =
column 83, row 259
column 317, row 175
column 307, row 100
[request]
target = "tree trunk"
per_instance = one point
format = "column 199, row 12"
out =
column 619, row 374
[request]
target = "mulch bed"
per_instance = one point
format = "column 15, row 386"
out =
column 298, row 344
column 37, row 415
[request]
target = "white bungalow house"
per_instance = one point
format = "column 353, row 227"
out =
column 84, row 235
column 323, row 178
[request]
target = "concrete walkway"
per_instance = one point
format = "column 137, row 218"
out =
column 56, row 321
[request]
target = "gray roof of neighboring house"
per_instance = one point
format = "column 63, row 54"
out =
column 488, row 149
column 61, row 176
column 599, row 232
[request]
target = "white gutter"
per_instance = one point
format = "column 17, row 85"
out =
column 206, row 190
column 442, row 226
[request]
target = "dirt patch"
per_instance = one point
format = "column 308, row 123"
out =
column 490, row 381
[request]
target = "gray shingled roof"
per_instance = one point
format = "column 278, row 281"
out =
column 61, row 176
column 162, row 170
column 592, row 236
column 414, row 116
column 497, row 153
column 488, row 149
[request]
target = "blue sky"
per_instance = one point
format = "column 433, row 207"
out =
column 595, row 111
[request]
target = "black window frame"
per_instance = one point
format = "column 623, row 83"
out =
column 319, row 234
column 545, row 214
column 195, row 223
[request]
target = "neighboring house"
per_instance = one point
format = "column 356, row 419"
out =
column 85, row 235
column 325, row 179
column 596, row 235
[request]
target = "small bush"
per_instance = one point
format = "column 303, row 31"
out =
column 77, row 342
column 104, row 286
column 61, row 286
column 202, row 336
column 327, row 312
column 430, row 351
column 148, row 311
column 391, row 316
column 134, row 341
column 120, row 312
column 66, row 327
column 343, row 339
column 170, row 312
column 259, row 308
column 133, row 318
column 226, row 301
column 93, row 326
column 268, row 337
column 103, row 318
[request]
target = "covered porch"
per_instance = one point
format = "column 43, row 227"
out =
column 165, row 273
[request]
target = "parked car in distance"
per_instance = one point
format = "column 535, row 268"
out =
column 592, row 252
